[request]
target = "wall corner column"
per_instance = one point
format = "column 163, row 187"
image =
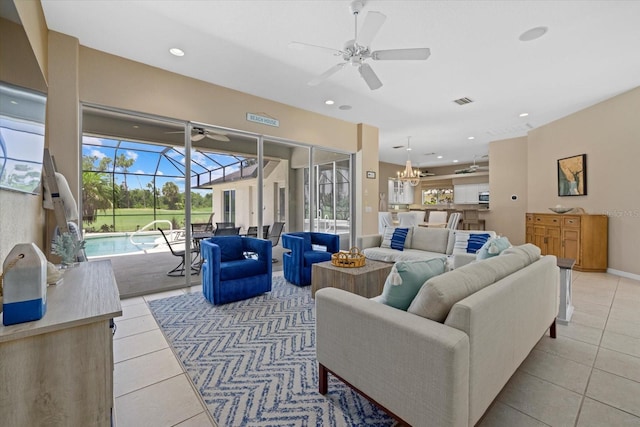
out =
column 367, row 188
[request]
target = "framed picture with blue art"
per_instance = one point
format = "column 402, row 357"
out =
column 572, row 176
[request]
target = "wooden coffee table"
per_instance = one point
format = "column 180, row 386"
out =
column 366, row 281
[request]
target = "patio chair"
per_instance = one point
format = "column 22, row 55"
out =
column 252, row 231
column 227, row 275
column 225, row 225
column 203, row 227
column 305, row 250
column 227, row 231
column 179, row 270
column 274, row 235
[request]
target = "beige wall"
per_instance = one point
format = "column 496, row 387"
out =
column 609, row 134
column 367, row 189
column 35, row 27
column 507, row 178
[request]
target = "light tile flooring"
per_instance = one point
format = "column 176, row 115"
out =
column 589, row 376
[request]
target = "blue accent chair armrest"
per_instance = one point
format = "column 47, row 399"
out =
column 227, row 275
column 298, row 261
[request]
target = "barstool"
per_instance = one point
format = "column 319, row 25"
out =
column 471, row 221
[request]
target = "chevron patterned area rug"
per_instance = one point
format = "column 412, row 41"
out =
column 254, row 361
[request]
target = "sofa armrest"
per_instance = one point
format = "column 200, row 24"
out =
column 369, row 241
column 416, row 368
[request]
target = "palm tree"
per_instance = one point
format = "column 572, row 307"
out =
column 97, row 193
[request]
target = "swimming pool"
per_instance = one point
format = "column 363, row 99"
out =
column 117, row 244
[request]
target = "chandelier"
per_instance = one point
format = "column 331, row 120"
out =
column 412, row 176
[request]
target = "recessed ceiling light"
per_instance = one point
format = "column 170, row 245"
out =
column 345, row 107
column 524, row 114
column 14, row 102
column 455, row 161
column 135, row 126
column 439, row 157
column 176, row 51
column 532, row 34
column 329, row 102
column 472, row 137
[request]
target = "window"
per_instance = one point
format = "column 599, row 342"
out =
column 229, row 205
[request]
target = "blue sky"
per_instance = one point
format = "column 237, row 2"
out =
column 167, row 163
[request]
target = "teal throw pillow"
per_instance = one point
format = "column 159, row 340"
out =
column 493, row 247
column 412, row 275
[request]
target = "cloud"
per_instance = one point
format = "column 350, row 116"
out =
column 131, row 155
column 139, row 172
column 159, row 173
column 97, row 153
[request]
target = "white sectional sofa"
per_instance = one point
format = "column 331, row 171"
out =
column 443, row 372
column 422, row 243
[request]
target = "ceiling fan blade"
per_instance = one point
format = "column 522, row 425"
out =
column 303, row 46
column 322, row 77
column 370, row 28
column 218, row 137
column 178, row 131
column 197, row 137
column 392, row 54
column 369, row 77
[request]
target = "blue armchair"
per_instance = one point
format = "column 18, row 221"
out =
column 297, row 262
column 227, row 275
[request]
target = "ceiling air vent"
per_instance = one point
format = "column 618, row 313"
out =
column 463, row 101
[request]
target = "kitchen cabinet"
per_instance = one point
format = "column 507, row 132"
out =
column 466, row 194
column 400, row 192
column 583, row 238
column 59, row 370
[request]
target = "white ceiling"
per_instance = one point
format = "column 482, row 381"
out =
column 590, row 53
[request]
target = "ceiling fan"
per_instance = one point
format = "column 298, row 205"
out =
column 357, row 51
column 474, row 167
column 201, row 133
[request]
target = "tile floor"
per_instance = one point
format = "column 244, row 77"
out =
column 589, row 376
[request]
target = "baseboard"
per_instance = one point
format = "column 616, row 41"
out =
column 624, row 274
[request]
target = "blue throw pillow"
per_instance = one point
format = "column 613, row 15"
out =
column 230, row 247
column 413, row 274
column 398, row 238
column 476, row 241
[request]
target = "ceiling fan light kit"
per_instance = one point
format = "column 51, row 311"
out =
column 357, row 51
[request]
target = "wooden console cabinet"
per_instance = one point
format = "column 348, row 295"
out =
column 58, row 370
column 583, row 238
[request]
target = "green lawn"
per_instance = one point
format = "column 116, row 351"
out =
column 134, row 219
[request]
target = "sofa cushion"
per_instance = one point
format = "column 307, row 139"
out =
column 430, row 239
column 493, row 247
column 388, row 234
column 230, row 248
column 398, row 238
column 440, row 293
column 312, row 257
column 413, row 274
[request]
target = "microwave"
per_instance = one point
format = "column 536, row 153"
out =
column 483, row 197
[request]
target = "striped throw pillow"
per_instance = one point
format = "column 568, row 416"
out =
column 398, row 238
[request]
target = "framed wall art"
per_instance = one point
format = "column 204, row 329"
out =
column 572, row 176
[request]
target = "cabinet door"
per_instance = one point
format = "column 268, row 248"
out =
column 465, row 194
column 554, row 241
column 571, row 244
column 540, row 237
column 407, row 193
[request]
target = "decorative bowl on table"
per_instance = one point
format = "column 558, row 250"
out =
column 560, row 209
